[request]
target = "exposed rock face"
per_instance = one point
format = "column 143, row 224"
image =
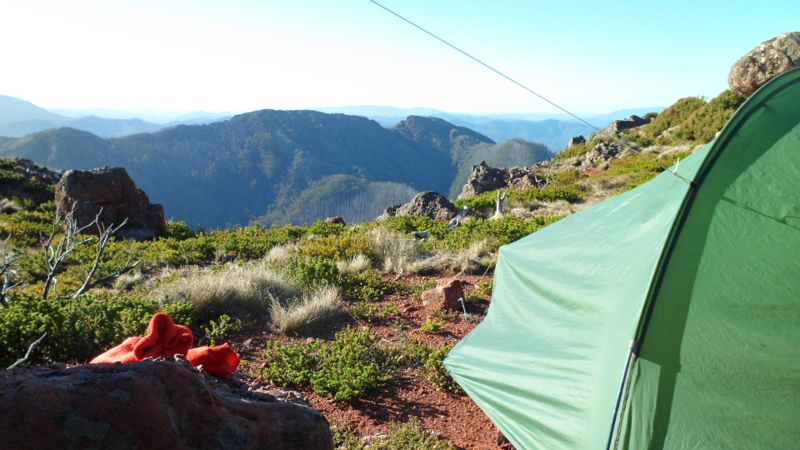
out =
column 429, row 204
column 390, row 211
column 444, row 297
column 577, row 140
column 112, row 190
column 335, row 219
column 485, row 179
column 766, row 61
column 618, row 126
column 153, row 404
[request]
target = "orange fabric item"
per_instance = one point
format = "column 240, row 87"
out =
column 219, row 361
column 165, row 339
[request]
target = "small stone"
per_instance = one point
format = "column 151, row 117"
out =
column 444, row 297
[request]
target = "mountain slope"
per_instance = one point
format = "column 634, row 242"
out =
column 17, row 110
column 228, row 173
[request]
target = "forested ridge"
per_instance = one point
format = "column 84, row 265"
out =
column 258, row 164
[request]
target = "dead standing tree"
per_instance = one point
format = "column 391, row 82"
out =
column 56, row 255
column 7, row 270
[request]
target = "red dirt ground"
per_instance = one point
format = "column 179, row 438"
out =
column 455, row 417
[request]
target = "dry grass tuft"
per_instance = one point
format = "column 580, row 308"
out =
column 280, row 253
column 473, row 260
column 317, row 306
column 127, row 281
column 398, row 253
column 233, row 289
column 358, row 264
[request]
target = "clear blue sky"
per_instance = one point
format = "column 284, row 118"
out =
column 243, row 55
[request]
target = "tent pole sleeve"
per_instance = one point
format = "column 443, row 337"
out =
column 633, row 348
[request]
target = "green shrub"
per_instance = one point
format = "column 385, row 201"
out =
column 341, row 246
column 79, row 329
column 345, row 437
column 373, row 312
column 486, row 201
column 403, row 436
column 352, row 365
column 312, row 272
column 409, row 435
column 179, row 231
column 369, row 285
column 434, row 371
column 432, row 326
column 674, row 115
column 482, row 291
column 704, row 123
column 217, row 330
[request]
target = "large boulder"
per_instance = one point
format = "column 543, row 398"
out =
column 153, row 404
column 429, row 204
column 765, row 62
column 110, row 189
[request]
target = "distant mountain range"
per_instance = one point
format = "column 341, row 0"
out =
column 19, row 118
column 282, row 166
column 552, row 130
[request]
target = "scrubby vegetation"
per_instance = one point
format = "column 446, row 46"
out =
column 291, row 279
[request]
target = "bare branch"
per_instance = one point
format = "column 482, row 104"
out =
column 28, row 353
column 6, row 270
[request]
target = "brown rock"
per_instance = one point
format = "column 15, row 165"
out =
column 153, row 404
column 86, row 192
column 335, row 219
column 429, row 204
column 765, row 62
column 444, row 297
column 484, row 179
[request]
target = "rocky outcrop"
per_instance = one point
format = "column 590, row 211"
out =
column 429, row 204
column 110, row 189
column 390, row 211
column 577, row 140
column 618, row 126
column 486, row 179
column 336, row 219
column 444, row 297
column 153, row 404
column 766, row 61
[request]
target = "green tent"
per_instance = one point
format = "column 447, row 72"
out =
column 665, row 317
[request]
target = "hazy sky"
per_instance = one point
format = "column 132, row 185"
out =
column 589, row 56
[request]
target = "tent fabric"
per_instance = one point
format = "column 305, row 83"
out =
column 703, row 275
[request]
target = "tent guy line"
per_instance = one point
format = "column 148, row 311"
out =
column 619, row 141
column 481, row 63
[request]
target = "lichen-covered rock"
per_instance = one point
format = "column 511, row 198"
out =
column 444, row 297
column 153, row 404
column 429, row 204
column 110, row 189
column 768, row 60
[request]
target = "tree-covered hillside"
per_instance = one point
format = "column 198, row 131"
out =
column 233, row 172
